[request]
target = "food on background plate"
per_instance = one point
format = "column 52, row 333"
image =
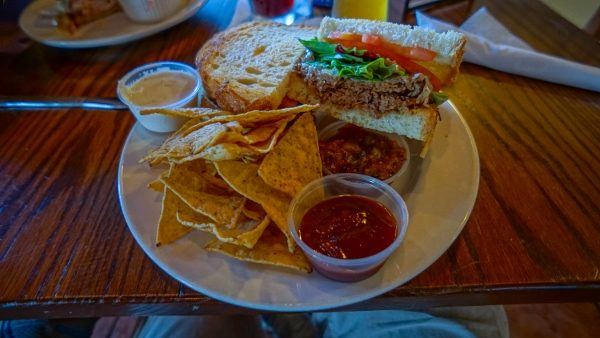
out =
column 357, row 150
column 75, row 13
column 348, row 227
column 226, row 196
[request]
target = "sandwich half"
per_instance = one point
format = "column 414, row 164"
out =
column 378, row 75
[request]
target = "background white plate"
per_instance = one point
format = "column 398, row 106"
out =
column 439, row 199
column 37, row 22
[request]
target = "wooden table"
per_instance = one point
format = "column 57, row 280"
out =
column 533, row 236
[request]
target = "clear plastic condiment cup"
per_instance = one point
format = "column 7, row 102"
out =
column 400, row 178
column 347, row 270
column 156, row 122
column 149, row 11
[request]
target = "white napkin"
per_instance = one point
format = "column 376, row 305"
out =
column 491, row 45
column 242, row 13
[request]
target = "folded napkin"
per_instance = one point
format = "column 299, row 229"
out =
column 491, row 45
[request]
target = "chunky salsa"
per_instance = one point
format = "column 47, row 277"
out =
column 348, row 227
column 356, row 150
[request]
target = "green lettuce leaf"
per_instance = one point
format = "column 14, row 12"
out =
column 351, row 62
column 439, row 98
column 319, row 48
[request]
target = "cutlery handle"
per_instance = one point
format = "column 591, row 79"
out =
column 30, row 103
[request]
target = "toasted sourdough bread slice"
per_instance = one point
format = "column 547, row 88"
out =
column 417, row 123
column 248, row 67
column 449, row 46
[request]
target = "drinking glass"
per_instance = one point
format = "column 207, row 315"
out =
column 360, row 9
column 283, row 11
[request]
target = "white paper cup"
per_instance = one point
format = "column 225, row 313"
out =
column 148, row 11
column 156, row 122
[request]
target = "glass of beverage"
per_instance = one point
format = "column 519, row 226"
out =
column 283, row 11
column 360, row 9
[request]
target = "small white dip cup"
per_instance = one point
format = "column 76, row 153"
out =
column 155, row 122
column 149, row 11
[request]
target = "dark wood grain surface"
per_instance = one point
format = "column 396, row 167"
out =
column 533, row 236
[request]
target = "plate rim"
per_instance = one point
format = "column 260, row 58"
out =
column 185, row 13
column 291, row 307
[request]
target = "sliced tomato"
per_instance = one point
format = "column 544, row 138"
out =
column 401, row 60
column 413, row 53
column 343, row 36
column 371, row 39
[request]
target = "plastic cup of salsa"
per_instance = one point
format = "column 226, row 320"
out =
column 398, row 179
column 353, row 269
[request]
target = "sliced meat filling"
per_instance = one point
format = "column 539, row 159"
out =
column 378, row 97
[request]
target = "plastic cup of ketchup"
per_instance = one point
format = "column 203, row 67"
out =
column 348, row 225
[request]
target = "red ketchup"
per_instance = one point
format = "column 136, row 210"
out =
column 348, row 227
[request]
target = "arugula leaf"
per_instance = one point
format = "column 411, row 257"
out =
column 438, row 98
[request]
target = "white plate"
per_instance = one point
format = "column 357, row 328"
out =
column 439, row 202
column 37, row 22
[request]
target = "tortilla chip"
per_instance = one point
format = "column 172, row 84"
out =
column 187, row 182
column 157, row 185
column 169, row 229
column 253, row 210
column 270, row 249
column 182, row 145
column 295, row 160
column 205, row 113
column 227, row 151
column 243, row 178
column 268, row 145
column 263, row 133
column 246, row 232
column 258, row 117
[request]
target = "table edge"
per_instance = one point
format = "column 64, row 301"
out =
column 197, row 304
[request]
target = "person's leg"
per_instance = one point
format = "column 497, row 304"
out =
column 42, row 328
column 201, row 326
column 483, row 321
column 394, row 323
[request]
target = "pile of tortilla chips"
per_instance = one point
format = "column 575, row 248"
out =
column 234, row 176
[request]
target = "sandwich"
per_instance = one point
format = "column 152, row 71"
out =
column 75, row 13
column 376, row 75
